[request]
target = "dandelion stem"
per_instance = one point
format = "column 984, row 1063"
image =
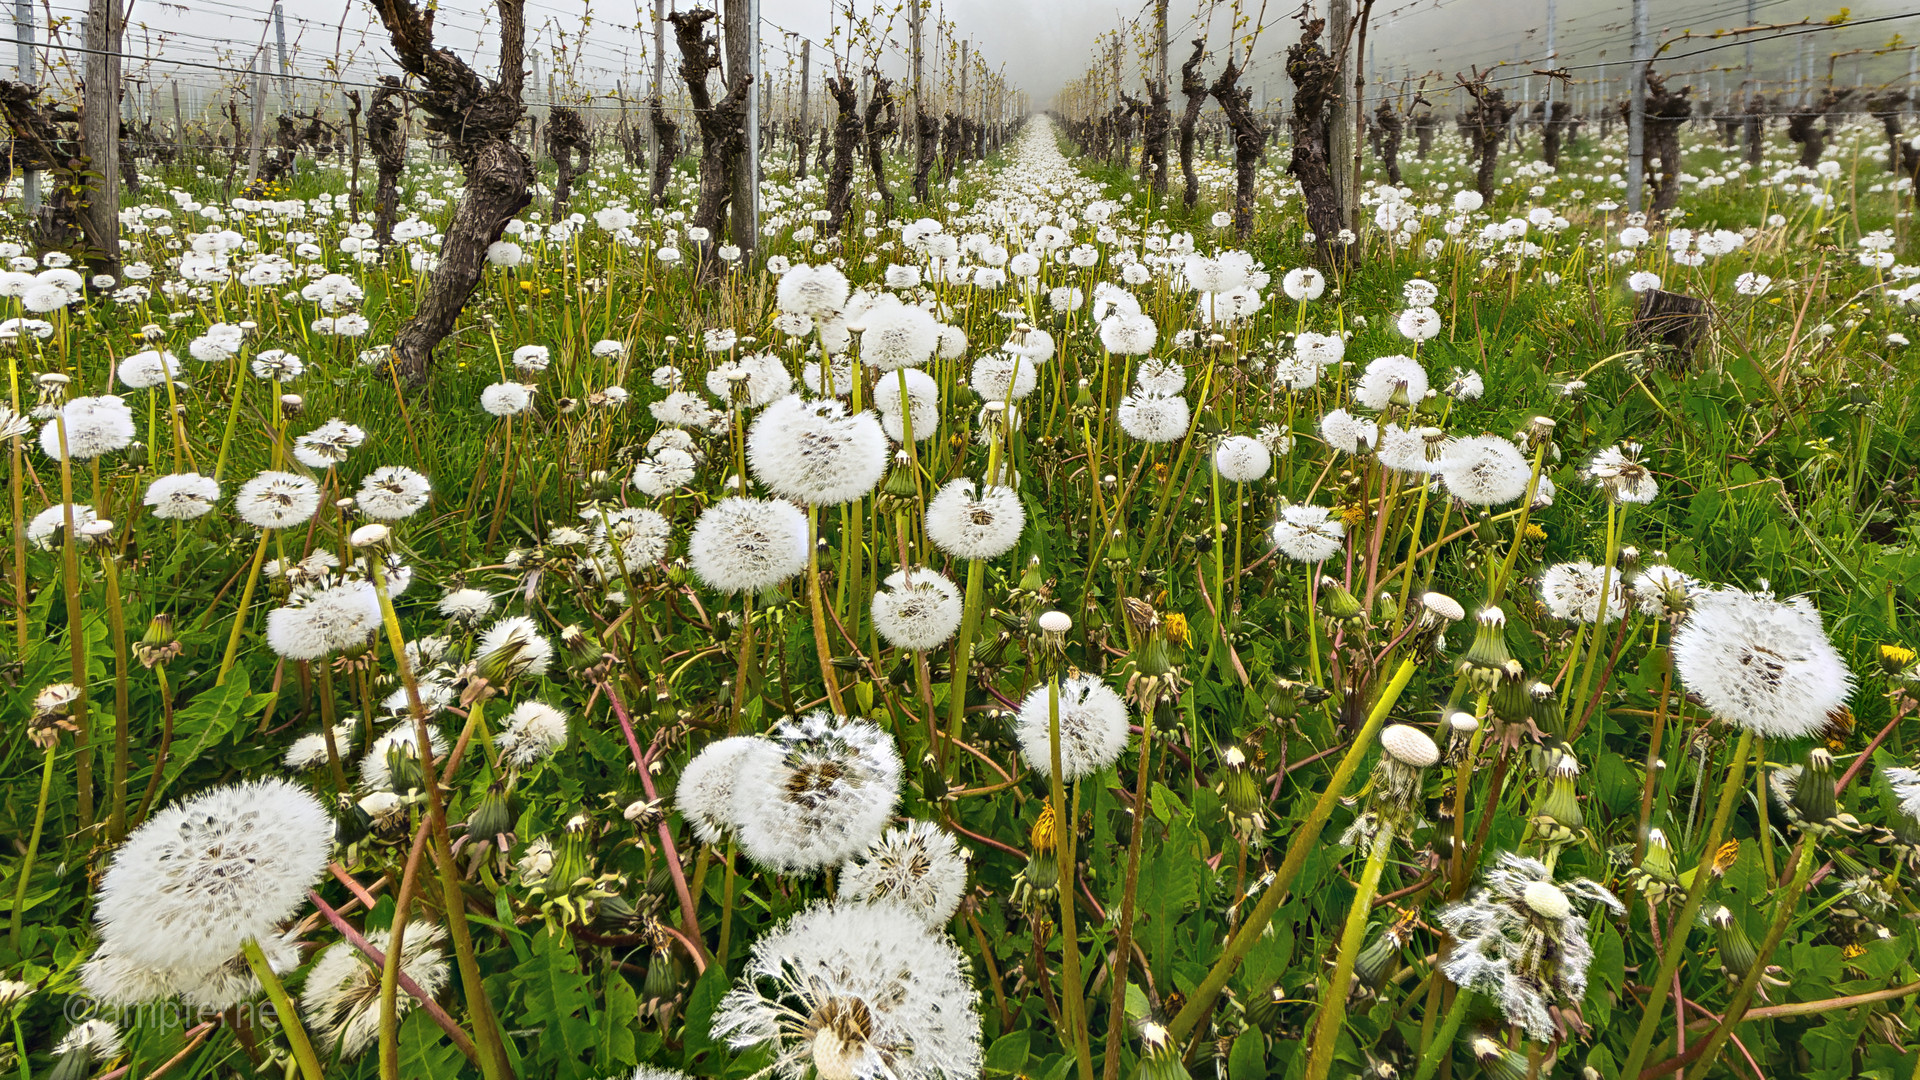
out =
column 820, row 643
column 1499, row 587
column 1123, row 937
column 240, row 617
column 25, row 871
column 117, row 625
column 1730, row 791
column 1442, row 1048
column 486, row 1030
column 1305, row 839
column 1333, row 1002
column 76, row 634
column 297, row 1040
column 1072, row 991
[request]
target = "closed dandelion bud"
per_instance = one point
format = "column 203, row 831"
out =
column 583, row 650
column 1656, row 876
column 1487, row 662
column 492, row 817
column 666, row 972
column 1263, row 1008
column 933, row 781
column 1031, row 580
column 1484, row 529
column 136, row 454
column 1377, row 960
column 160, row 643
column 1546, row 710
column 614, row 913
column 1083, row 396
column 1559, row 818
column 1160, row 1057
column 1282, row 701
column 900, row 479
column 1239, row 791
column 1813, row 801
column 1737, row 951
column 1511, row 703
column 403, row 765
column 1337, row 603
column 1497, row 1060
column 1386, row 609
column 1043, row 876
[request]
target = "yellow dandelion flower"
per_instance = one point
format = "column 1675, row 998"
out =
column 1042, row 838
column 1177, row 629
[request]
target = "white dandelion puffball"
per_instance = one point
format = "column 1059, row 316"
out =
column 1129, row 334
column 813, row 452
column 1761, row 664
column 1391, row 380
column 898, row 335
column 1347, row 433
column 182, row 496
column 1093, row 727
column 668, row 469
column 532, row 732
column 1157, row 376
column 1419, row 324
column 740, row 544
column 919, row 609
column 48, row 523
column 1154, row 418
column 148, row 369
column 641, row 535
column 967, row 526
column 1483, row 470
column 1242, row 459
column 849, row 991
column 814, row 792
column 466, row 606
column 317, row 622
column 93, row 426
column 812, row 290
column 1304, row 284
column 206, row 875
column 764, row 378
column 392, row 492
column 918, row 866
column 506, row 398
column 705, row 792
column 277, row 500
column 1003, row 376
column 341, row 999
column 923, row 392
column 329, row 444
column 1308, row 534
column 1571, row 591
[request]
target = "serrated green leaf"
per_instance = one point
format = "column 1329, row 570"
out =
column 701, row 1006
column 425, row 1051
column 559, row 1003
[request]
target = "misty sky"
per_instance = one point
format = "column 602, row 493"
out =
column 1041, row 45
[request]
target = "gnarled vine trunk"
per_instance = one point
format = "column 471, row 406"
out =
column 1386, row 121
column 846, row 137
column 1484, row 126
column 1194, row 86
column 1666, row 112
column 1316, row 86
column 883, row 118
column 1248, row 138
column 723, row 127
column 389, row 144
column 478, row 118
column 666, row 134
column 572, row 151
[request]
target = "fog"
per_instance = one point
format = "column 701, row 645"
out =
column 597, row 46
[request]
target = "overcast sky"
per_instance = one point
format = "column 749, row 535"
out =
column 1040, row 44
